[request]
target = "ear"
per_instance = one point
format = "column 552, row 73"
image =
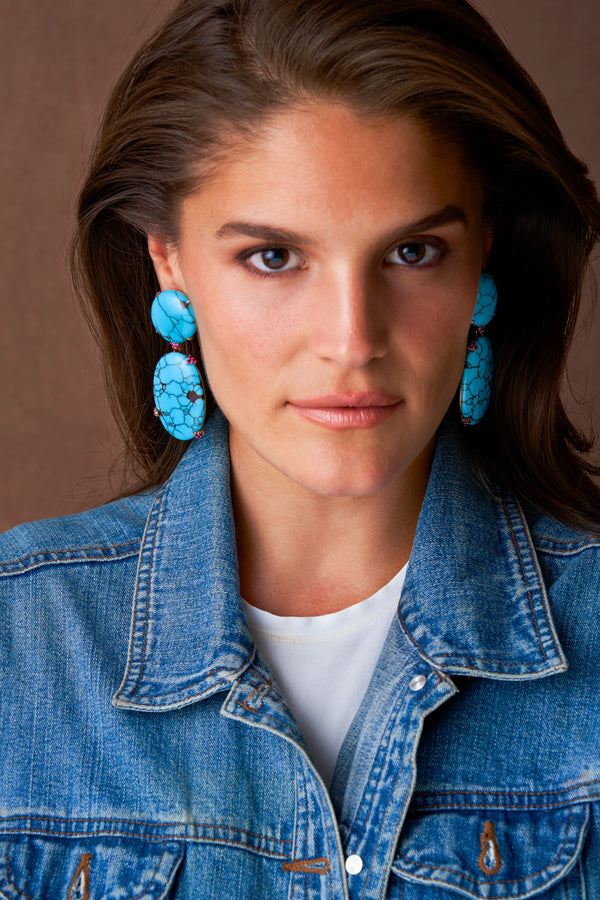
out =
column 488, row 238
column 166, row 264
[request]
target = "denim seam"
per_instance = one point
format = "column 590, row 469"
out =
column 496, row 881
column 482, row 659
column 251, row 848
column 482, row 807
column 46, row 555
column 562, row 555
column 132, row 643
column 194, row 684
column 147, row 580
column 413, row 639
column 139, row 836
column 504, row 793
column 460, row 656
column 325, row 819
column 10, row 571
column 540, row 577
column 294, row 847
column 576, row 545
column 157, row 700
column 579, row 878
column 529, row 594
column 381, row 752
column 391, row 793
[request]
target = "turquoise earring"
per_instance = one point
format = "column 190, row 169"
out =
column 178, row 388
column 476, row 384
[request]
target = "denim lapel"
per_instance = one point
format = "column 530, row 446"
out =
column 189, row 637
column 474, row 600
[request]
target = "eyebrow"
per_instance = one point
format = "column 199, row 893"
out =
column 445, row 216
column 263, row 233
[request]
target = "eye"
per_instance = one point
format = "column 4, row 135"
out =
column 274, row 259
column 415, row 253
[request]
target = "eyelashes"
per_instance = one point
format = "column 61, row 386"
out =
column 271, row 261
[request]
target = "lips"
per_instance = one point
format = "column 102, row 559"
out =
column 348, row 410
column 347, row 400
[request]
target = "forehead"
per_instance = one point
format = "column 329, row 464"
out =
column 326, row 162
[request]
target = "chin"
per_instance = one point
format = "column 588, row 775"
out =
column 351, row 479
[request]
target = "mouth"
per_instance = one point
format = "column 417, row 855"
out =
column 348, row 410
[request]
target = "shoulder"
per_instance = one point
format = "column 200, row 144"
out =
column 109, row 532
column 566, row 554
column 569, row 561
column 554, row 538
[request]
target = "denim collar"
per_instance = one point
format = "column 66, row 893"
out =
column 473, row 601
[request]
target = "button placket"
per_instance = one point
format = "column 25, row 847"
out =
column 388, row 795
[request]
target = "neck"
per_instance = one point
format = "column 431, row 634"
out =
column 304, row 554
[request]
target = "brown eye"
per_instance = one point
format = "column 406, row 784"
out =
column 274, row 259
column 415, row 253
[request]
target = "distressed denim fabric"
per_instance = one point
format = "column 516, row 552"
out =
column 147, row 751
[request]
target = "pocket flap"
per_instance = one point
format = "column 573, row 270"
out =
column 496, row 854
column 78, row 868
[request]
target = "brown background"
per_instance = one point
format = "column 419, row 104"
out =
column 57, row 441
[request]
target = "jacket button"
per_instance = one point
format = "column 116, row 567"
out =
column 354, row 864
column 417, row 683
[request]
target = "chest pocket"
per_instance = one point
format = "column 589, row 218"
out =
column 86, row 868
column 492, row 854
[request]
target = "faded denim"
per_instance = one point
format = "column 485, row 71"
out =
column 147, row 751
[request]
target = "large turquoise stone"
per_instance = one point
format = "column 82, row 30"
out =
column 173, row 317
column 476, row 385
column 179, row 396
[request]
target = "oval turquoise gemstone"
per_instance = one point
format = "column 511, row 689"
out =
column 487, row 298
column 476, row 385
column 179, row 395
column 173, row 317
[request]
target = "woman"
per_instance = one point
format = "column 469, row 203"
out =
column 343, row 643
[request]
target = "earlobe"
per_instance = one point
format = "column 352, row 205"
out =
column 166, row 264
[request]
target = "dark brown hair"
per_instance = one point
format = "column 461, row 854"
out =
column 218, row 68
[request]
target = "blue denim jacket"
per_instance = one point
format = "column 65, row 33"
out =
column 147, row 751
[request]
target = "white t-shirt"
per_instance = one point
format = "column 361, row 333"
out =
column 323, row 664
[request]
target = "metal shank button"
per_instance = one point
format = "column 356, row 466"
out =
column 418, row 683
column 354, row 864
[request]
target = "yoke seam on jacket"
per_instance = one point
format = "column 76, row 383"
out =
column 48, row 557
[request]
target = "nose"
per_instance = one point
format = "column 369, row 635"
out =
column 352, row 321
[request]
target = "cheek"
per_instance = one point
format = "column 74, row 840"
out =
column 434, row 329
column 241, row 349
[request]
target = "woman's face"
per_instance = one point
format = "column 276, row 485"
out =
column 333, row 266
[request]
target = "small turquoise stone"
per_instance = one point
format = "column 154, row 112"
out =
column 476, row 385
column 487, row 297
column 179, row 395
column 173, row 317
